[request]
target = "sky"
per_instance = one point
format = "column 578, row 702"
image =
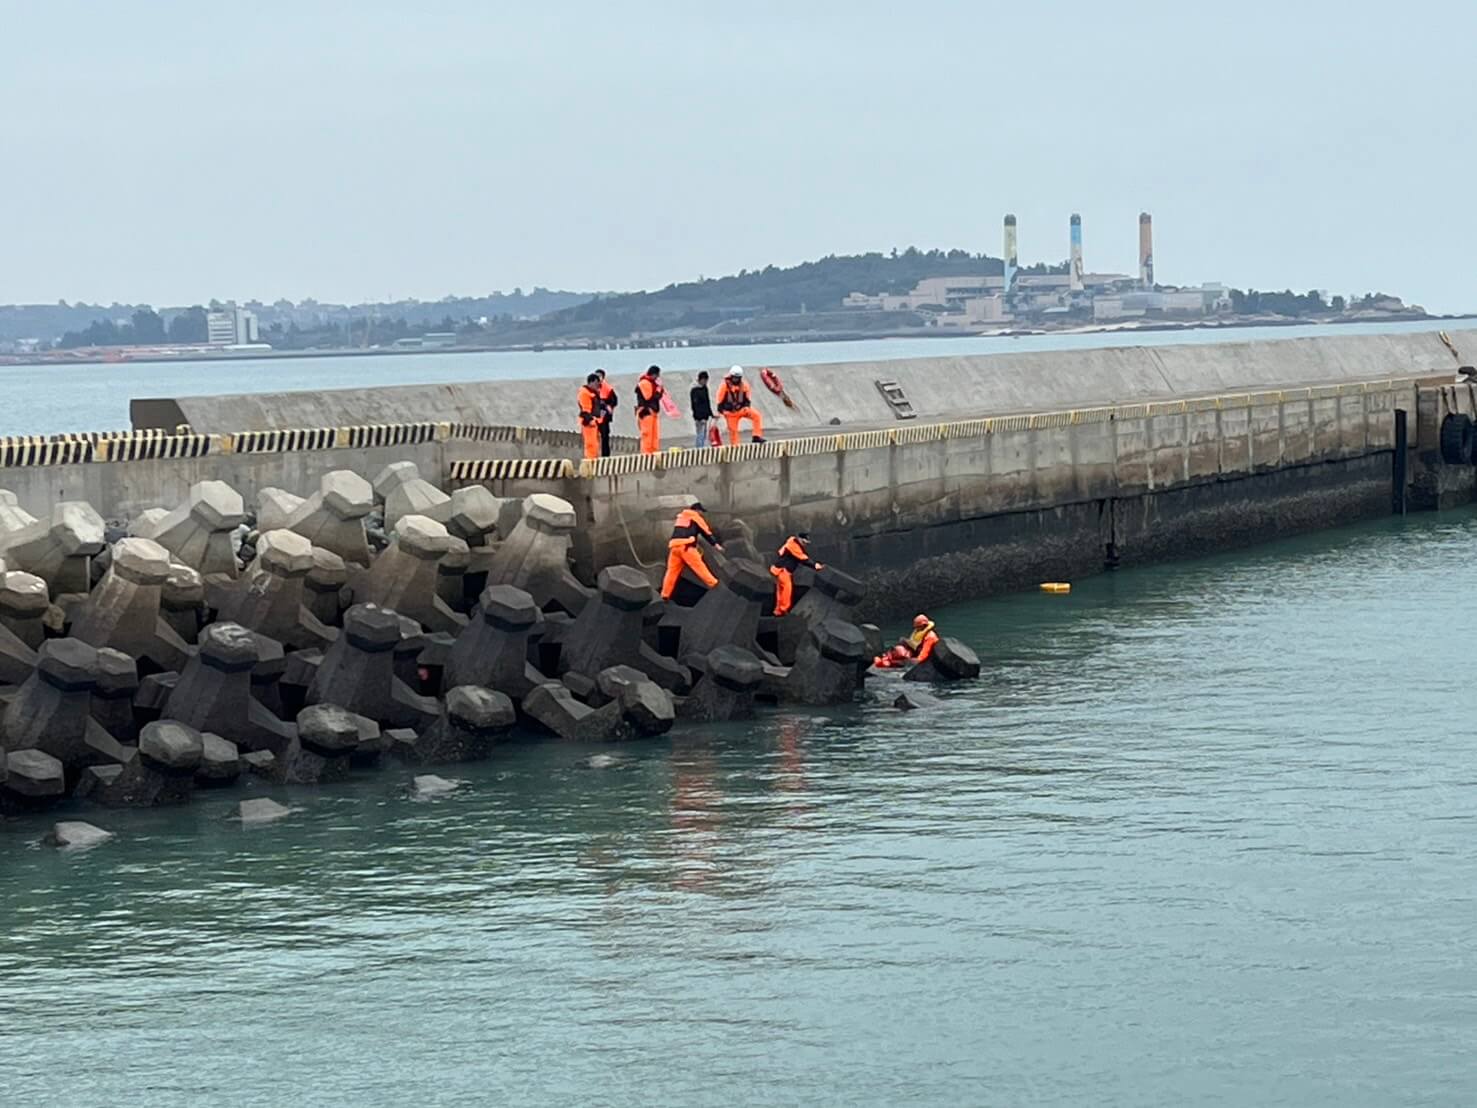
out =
column 169, row 153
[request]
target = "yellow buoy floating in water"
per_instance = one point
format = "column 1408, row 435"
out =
column 1056, row 586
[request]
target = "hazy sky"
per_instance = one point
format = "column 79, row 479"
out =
column 171, row 152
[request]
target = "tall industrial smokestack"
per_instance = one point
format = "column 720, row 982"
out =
column 1012, row 255
column 1146, row 250
column 1076, row 263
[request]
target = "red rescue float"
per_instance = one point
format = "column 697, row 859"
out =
column 773, row 383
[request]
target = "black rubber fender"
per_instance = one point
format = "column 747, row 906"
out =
column 1456, row 440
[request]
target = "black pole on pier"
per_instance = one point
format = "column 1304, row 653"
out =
column 1397, row 468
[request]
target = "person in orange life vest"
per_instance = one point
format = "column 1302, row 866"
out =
column 649, row 393
column 682, row 549
column 794, row 554
column 895, row 658
column 736, row 402
column 923, row 639
column 609, row 399
column 591, row 411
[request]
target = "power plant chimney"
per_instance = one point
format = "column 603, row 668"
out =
column 1146, row 250
column 1076, row 263
column 1012, row 255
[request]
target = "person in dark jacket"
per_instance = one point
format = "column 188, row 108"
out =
column 702, row 409
column 609, row 402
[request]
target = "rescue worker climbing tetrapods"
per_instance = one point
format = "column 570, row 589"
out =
column 592, row 411
column 792, row 555
column 649, row 393
column 682, row 549
column 736, row 403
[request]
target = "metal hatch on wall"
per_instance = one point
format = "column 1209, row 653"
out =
column 901, row 406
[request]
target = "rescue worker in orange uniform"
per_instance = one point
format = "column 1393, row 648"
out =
column 682, row 549
column 895, row 658
column 736, row 402
column 592, row 410
column 649, row 393
column 794, row 554
column 610, row 401
column 923, row 639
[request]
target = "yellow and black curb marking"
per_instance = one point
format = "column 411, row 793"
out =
column 512, row 469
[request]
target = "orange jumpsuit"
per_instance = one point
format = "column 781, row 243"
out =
column 649, row 393
column 591, row 411
column 791, row 557
column 682, row 551
column 922, row 643
column 736, row 402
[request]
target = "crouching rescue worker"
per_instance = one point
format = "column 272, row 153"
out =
column 592, row 414
column 794, row 554
column 736, row 403
column 923, row 639
column 682, row 549
column 649, row 393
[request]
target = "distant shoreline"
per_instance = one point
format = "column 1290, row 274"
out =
column 120, row 356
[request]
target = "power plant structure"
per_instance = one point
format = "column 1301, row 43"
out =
column 1062, row 298
column 1011, row 254
column 1146, row 250
column 1075, row 261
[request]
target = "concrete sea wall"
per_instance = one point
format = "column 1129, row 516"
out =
column 848, row 394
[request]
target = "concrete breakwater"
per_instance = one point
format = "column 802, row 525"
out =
column 1239, row 446
column 365, row 623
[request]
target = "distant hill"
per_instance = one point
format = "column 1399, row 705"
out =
column 811, row 287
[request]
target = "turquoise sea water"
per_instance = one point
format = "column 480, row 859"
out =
column 45, row 400
column 1201, row 834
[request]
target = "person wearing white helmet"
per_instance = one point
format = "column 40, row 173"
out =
column 736, row 402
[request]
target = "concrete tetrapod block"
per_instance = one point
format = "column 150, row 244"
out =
column 198, row 532
column 12, row 516
column 112, row 696
column 404, row 576
column 730, row 676
column 32, row 779
column 182, row 602
column 51, row 712
column 951, row 660
column 535, row 557
column 214, row 692
column 220, row 762
column 261, row 809
column 406, row 493
column 554, row 707
column 609, row 632
column 169, row 755
column 57, row 549
column 71, row 834
column 832, row 595
column 829, row 664
column 327, row 737
column 473, row 722
column 451, row 576
column 17, row 660
column 23, row 604
column 474, row 515
column 123, row 611
column 143, row 525
column 729, row 615
column 270, row 598
column 324, row 587
column 646, row 708
column 274, row 507
column 358, row 672
column 492, row 650
column 333, row 517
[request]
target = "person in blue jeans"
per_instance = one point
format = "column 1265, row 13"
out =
column 702, row 409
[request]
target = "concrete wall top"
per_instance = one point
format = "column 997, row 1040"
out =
column 938, row 388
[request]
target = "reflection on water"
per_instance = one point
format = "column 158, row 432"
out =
column 1200, row 833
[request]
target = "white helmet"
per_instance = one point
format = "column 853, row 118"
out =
column 736, row 371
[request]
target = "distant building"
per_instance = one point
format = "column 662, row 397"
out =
column 231, row 327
